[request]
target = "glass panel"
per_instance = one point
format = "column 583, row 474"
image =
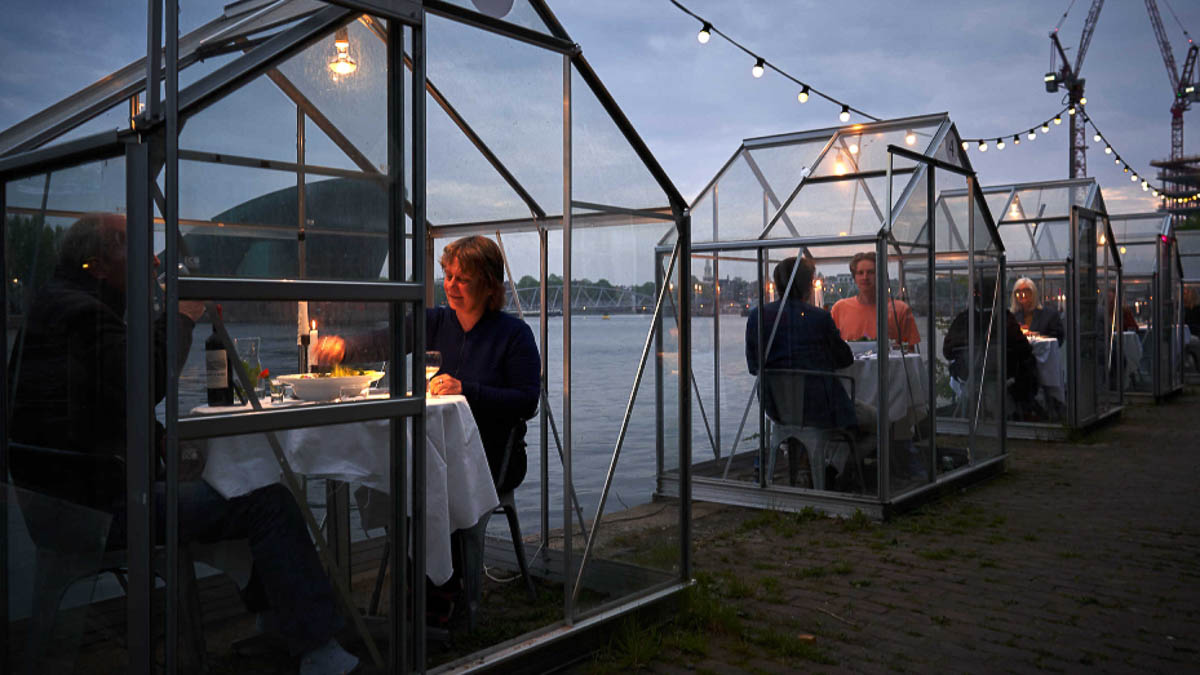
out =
column 743, row 206
column 1037, row 298
column 1138, row 227
column 1087, row 273
column 910, row 224
column 997, row 200
column 518, row 12
column 1137, row 260
column 608, row 333
column 605, row 168
column 851, row 206
column 56, row 550
column 784, row 166
column 950, row 217
column 1052, row 240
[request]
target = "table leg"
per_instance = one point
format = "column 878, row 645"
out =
column 337, row 525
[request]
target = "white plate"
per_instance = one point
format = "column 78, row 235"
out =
column 316, row 388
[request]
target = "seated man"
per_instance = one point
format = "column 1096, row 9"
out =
column 70, row 395
column 1020, row 361
column 856, row 317
column 806, row 339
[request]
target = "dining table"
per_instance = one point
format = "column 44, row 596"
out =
column 1051, row 369
column 458, row 483
column 907, row 396
column 1131, row 344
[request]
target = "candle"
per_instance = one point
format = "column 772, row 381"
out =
column 312, row 343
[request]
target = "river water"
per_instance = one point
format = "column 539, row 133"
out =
column 604, row 358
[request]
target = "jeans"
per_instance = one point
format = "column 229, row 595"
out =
column 285, row 560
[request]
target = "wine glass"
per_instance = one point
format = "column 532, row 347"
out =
column 433, row 363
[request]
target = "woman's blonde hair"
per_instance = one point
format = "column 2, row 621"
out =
column 1025, row 282
column 479, row 257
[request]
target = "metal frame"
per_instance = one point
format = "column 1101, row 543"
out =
column 1064, row 259
column 719, row 486
column 153, row 146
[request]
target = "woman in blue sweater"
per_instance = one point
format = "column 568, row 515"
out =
column 488, row 356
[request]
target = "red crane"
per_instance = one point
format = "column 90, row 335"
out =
column 1182, row 87
column 1066, row 77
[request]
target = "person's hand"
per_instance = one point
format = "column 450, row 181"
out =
column 192, row 309
column 331, row 349
column 444, row 384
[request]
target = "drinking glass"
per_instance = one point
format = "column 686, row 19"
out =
column 433, row 363
column 248, row 351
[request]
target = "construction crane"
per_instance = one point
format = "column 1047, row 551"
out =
column 1066, row 77
column 1182, row 87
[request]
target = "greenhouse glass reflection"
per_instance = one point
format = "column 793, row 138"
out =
column 846, row 426
column 280, row 219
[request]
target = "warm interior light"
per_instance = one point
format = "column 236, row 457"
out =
column 854, row 148
column 910, row 137
column 759, row 66
column 705, row 33
column 1122, row 250
column 839, row 167
column 845, row 114
column 1103, row 239
column 803, row 95
column 342, row 63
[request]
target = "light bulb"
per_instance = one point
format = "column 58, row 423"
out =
column 1058, row 119
column 854, row 148
column 1108, row 149
column 705, row 33
column 910, row 137
column 1122, row 250
column 1096, row 137
column 342, row 63
column 1032, row 135
column 983, row 146
column 845, row 114
column 1016, row 139
column 1082, row 100
column 1103, row 239
column 839, row 167
column 1071, row 110
column 1145, row 187
column 803, row 95
column 1116, row 160
column 1125, row 169
column 1133, row 178
column 1045, row 128
column 999, row 143
column 966, row 145
column 757, row 70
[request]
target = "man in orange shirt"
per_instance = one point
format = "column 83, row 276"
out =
column 856, row 317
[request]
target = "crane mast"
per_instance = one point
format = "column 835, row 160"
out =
column 1182, row 88
column 1067, row 77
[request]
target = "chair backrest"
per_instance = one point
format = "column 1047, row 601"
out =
column 785, row 391
column 516, row 435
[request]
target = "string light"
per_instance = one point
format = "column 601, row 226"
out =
column 1045, row 128
column 983, row 146
column 999, row 143
column 1016, row 139
column 854, row 148
column 707, row 30
column 1071, row 110
column 910, row 137
column 1032, row 135
column 1095, row 138
column 1082, row 100
column 1107, row 148
column 1057, row 120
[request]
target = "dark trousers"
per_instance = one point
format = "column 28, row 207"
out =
column 286, row 565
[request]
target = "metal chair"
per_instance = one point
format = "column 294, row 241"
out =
column 473, row 539
column 63, row 560
column 784, row 390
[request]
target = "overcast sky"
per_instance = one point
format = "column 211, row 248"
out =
column 692, row 103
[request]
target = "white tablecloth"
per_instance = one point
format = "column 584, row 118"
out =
column 907, row 394
column 455, row 465
column 1050, row 367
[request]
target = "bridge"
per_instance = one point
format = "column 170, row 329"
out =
column 584, row 299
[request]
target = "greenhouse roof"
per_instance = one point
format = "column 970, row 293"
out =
column 828, row 183
column 1034, row 219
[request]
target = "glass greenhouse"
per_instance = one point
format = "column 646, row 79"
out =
column 1063, row 278
column 298, row 179
column 1153, row 287
column 1188, row 244
column 854, row 197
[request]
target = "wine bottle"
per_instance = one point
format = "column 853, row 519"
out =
column 218, row 373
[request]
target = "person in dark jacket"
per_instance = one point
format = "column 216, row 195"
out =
column 488, row 356
column 1021, row 363
column 1032, row 315
column 808, row 339
column 70, row 395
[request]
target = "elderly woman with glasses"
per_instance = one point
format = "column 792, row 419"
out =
column 1032, row 314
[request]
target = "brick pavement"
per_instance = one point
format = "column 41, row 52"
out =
column 1083, row 556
